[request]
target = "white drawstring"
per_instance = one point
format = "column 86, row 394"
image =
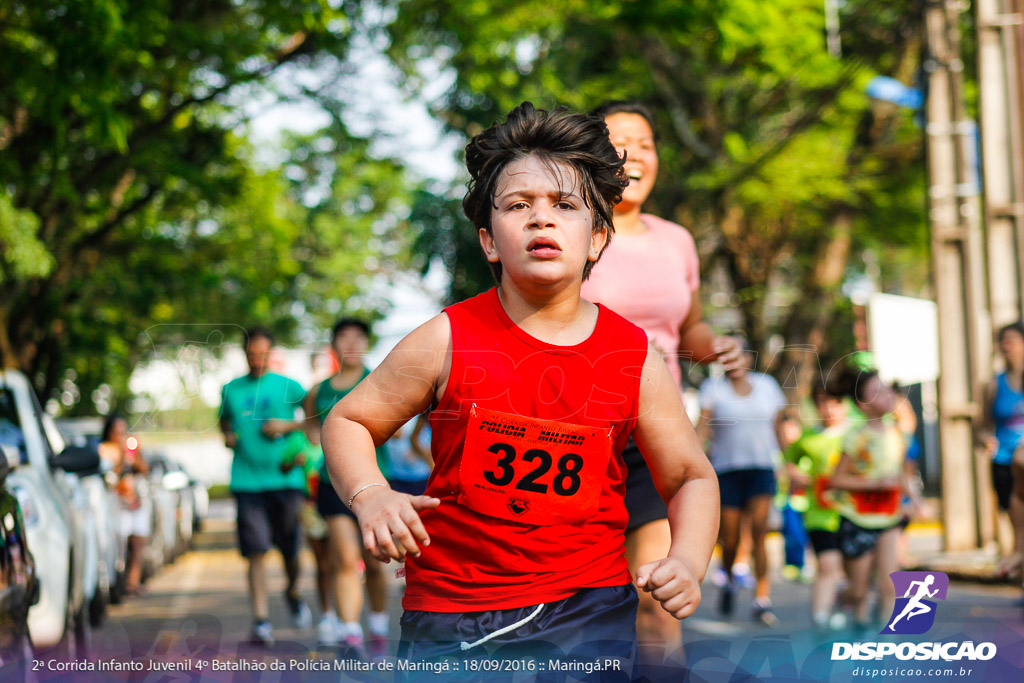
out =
column 512, row 627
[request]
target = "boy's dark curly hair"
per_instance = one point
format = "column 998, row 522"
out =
column 561, row 135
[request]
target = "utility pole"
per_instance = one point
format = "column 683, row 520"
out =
column 1000, row 31
column 957, row 258
column 1000, row 58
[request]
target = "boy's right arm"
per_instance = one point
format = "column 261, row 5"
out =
column 403, row 386
column 230, row 438
column 688, row 484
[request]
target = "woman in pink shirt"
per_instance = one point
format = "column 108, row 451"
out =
column 650, row 274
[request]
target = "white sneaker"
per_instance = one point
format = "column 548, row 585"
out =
column 263, row 634
column 327, row 632
column 302, row 617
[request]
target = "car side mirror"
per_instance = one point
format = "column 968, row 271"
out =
column 77, row 460
column 9, row 459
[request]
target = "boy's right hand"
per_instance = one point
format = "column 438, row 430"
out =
column 390, row 522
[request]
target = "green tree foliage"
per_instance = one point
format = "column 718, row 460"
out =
column 130, row 209
column 771, row 152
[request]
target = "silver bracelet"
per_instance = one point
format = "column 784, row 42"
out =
column 363, row 489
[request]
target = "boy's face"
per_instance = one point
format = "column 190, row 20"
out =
column 541, row 229
column 350, row 345
column 257, row 355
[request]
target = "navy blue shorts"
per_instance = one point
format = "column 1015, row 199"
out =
column 643, row 502
column 592, row 631
column 413, row 488
column 737, row 487
column 268, row 518
column 328, row 503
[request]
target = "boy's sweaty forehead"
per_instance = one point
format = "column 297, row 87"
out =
column 534, row 175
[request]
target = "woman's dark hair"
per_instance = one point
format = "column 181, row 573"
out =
column 637, row 107
column 340, row 326
column 1017, row 327
column 108, row 425
column 558, row 136
column 852, row 382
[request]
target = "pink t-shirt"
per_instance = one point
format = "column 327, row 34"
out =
column 650, row 279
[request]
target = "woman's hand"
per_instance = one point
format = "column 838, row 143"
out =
column 728, row 352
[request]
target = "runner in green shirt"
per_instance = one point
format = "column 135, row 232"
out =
column 811, row 460
column 350, row 340
column 268, row 500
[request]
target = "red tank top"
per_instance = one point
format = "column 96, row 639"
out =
column 531, row 431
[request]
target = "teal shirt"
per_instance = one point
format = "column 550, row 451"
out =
column 326, row 397
column 246, row 403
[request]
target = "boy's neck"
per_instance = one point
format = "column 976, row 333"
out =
column 562, row 319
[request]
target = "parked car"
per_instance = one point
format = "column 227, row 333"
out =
column 19, row 588
column 99, row 486
column 58, row 537
column 163, row 542
column 201, row 501
column 184, row 491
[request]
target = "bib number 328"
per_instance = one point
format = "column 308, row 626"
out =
column 534, row 471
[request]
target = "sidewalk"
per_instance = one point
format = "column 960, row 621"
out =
column 925, row 551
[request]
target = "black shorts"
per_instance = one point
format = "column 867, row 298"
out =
column 737, row 487
column 268, row 518
column 643, row 502
column 593, row 625
column 328, row 503
column 1002, row 482
column 413, row 488
column 823, row 541
column 855, row 540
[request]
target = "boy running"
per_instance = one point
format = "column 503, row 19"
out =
column 533, row 392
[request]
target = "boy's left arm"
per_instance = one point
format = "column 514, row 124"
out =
column 687, row 482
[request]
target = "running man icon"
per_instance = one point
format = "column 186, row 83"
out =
column 916, row 587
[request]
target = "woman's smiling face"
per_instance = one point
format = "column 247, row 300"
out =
column 632, row 136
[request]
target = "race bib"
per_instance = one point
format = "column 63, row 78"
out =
column 885, row 502
column 532, row 471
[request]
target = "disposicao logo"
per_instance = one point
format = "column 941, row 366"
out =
column 914, row 613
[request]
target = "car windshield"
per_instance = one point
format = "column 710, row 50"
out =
column 10, row 426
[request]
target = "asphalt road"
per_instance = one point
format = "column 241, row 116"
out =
column 195, row 617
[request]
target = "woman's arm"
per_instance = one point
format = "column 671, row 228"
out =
column 686, row 481
column 699, row 343
column 403, row 386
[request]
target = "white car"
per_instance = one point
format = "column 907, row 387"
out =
column 112, row 542
column 56, row 534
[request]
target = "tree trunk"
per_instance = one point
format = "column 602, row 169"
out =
column 806, row 325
